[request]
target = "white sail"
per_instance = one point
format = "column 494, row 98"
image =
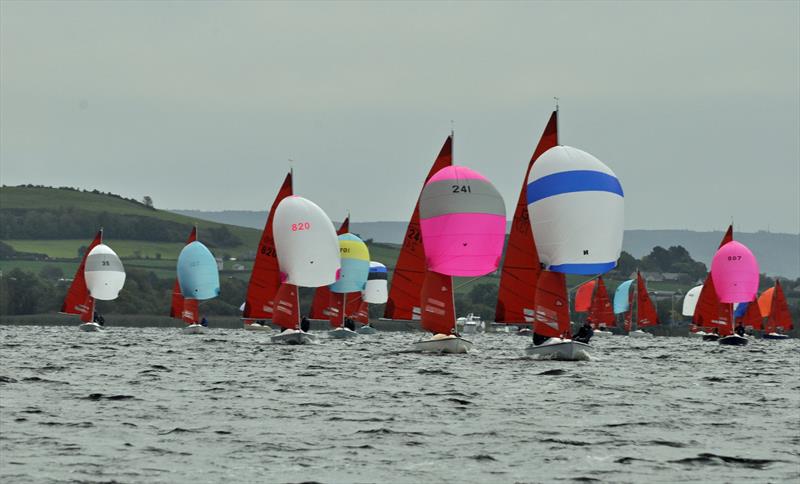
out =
column 306, row 243
column 577, row 212
column 376, row 291
column 690, row 300
column 104, row 273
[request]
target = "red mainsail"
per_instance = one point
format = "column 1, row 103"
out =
column 646, row 314
column 752, row 316
column 409, row 271
column 583, row 296
column 265, row 277
column 320, row 305
column 287, row 307
column 360, row 311
column 186, row 309
column 521, row 266
column 710, row 313
column 779, row 314
column 552, row 307
column 78, row 301
column 601, row 313
column 438, row 307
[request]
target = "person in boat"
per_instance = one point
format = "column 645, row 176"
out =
column 305, row 324
column 539, row 339
column 204, row 322
column 585, row 333
column 98, row 319
column 740, row 329
column 349, row 324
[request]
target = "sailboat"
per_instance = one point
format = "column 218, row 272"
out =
column 749, row 315
column 100, row 275
column 403, row 302
column 265, row 278
column 710, row 316
column 592, row 297
column 462, row 219
column 646, row 314
column 376, row 291
column 779, row 318
column 198, row 278
column 308, row 255
column 354, row 257
column 521, row 266
column 688, row 309
column 576, row 210
column 321, row 305
column 182, row 308
column 734, row 270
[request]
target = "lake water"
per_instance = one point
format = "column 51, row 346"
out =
column 153, row 405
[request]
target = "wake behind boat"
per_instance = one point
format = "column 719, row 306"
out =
column 257, row 327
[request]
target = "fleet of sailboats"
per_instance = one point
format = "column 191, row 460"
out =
column 568, row 219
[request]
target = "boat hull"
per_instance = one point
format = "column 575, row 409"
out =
column 525, row 332
column 711, row 337
column 195, row 329
column 366, row 330
column 698, row 334
column 342, row 333
column 639, row 334
column 775, row 336
column 294, row 337
column 601, row 333
column 257, row 327
column 443, row 344
column 90, row 327
column 560, row 349
column 733, row 340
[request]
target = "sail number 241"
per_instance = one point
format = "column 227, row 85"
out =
column 461, row 189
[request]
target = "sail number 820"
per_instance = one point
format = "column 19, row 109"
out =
column 301, row 226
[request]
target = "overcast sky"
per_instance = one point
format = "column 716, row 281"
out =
column 695, row 106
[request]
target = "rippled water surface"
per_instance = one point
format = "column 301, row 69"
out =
column 153, row 405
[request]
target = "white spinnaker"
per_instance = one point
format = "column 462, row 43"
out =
column 376, row 290
column 104, row 273
column 690, row 300
column 306, row 243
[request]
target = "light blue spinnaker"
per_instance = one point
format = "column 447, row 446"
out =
column 621, row 302
column 198, row 275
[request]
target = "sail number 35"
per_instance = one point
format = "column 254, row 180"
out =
column 301, row 226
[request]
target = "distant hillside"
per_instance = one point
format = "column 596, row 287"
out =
column 778, row 254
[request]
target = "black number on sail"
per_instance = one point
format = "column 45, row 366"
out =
column 462, row 189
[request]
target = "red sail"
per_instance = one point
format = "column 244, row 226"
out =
column 409, row 271
column 779, row 314
column 360, row 308
column 320, row 305
column 438, row 308
column 335, row 309
column 182, row 308
column 752, row 316
column 552, row 307
column 602, row 311
column 78, row 301
column 583, row 297
column 287, row 307
column 646, row 311
column 521, row 267
column 710, row 313
column 265, row 278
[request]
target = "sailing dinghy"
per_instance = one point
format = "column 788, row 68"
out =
column 710, row 315
column 646, row 315
column 375, row 292
column 353, row 276
column 100, row 275
column 198, row 280
column 307, row 249
column 779, row 318
column 734, row 270
column 576, row 211
column 592, row 297
column 462, row 219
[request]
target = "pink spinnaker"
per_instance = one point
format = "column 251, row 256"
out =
column 734, row 270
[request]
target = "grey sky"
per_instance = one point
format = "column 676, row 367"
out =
column 695, row 106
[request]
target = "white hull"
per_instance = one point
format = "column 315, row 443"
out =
column 698, row 334
column 342, row 333
column 600, row 332
column 443, row 344
column 257, row 327
column 294, row 337
column 639, row 334
column 194, row 329
column 367, row 330
column 775, row 336
column 90, row 327
column 560, row 349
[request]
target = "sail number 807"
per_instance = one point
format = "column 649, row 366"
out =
column 301, row 226
column 734, row 257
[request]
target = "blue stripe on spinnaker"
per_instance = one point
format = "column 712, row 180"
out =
column 584, row 269
column 572, row 181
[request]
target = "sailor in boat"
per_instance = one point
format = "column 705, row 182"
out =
column 585, row 333
column 204, row 322
column 98, row 319
column 539, row 339
column 349, row 324
column 305, row 324
column 740, row 329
